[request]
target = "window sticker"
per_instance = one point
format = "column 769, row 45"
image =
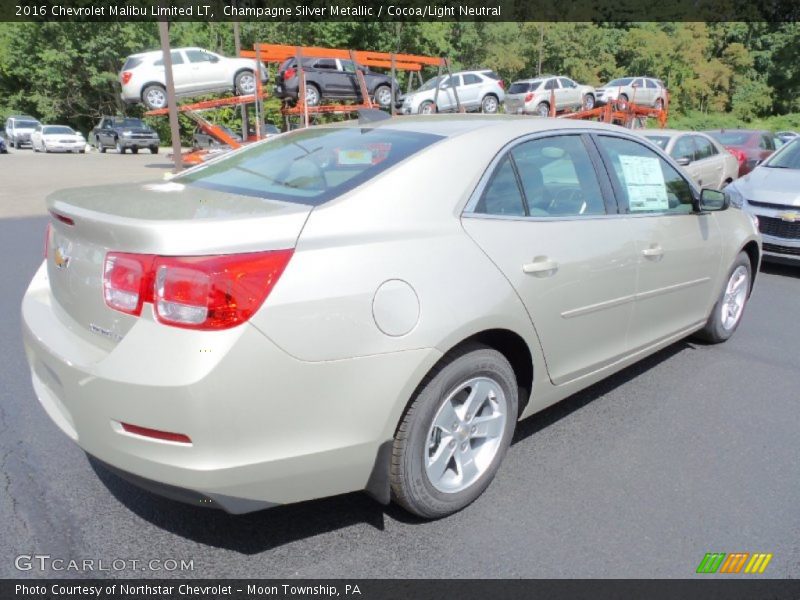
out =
column 644, row 179
column 354, row 157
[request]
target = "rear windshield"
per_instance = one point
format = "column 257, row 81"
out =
column 58, row 129
column 26, row 124
column 731, row 138
column 620, row 82
column 659, row 140
column 490, row 75
column 311, row 166
column 521, row 87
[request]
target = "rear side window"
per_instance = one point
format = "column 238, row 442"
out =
column 548, row 177
column 551, row 84
column 310, row 166
column 646, row 182
column 326, row 63
column 470, row 79
column 132, row 63
column 177, row 59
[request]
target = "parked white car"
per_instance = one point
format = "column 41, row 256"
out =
column 480, row 90
column 195, row 71
column 707, row 161
column 534, row 96
column 643, row 91
column 57, row 138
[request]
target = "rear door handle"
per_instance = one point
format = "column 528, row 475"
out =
column 654, row 252
column 541, row 266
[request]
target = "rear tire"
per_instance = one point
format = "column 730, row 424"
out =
column 455, row 433
column 543, row 109
column 154, row 96
column 489, row 104
column 427, row 108
column 588, row 102
column 313, row 95
column 659, row 104
column 727, row 312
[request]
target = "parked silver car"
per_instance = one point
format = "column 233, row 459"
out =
column 643, row 91
column 480, row 90
column 339, row 308
column 771, row 192
column 534, row 96
column 707, row 161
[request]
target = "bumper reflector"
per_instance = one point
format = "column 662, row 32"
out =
column 156, row 434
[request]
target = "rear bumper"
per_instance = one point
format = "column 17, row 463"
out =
column 265, row 428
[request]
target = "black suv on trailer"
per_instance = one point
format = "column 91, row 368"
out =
column 124, row 133
column 332, row 78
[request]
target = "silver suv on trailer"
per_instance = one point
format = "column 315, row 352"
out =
column 534, row 96
column 644, row 91
column 480, row 90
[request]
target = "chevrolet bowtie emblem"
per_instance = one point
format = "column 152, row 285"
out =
column 789, row 217
column 61, row 258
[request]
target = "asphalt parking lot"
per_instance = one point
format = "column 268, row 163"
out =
column 693, row 450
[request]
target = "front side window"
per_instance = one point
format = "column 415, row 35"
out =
column 650, row 84
column 348, row 66
column 310, row 166
column 567, row 83
column 646, row 183
column 705, row 149
column 198, row 56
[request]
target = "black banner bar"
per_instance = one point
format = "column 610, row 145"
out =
column 300, row 11
column 419, row 589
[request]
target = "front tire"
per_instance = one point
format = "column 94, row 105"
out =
column 454, row 435
column 153, row 149
column 383, row 96
column 120, row 148
column 244, row 84
column 727, row 312
column 134, row 150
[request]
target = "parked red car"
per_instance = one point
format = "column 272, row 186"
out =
column 754, row 144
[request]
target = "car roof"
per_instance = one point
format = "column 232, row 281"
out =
column 453, row 125
column 671, row 132
column 159, row 52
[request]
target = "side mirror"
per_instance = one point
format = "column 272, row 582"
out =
column 683, row 161
column 713, row 200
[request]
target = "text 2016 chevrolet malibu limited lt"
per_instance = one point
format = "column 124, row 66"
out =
column 369, row 306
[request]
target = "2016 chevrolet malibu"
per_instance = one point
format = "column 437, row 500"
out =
column 369, row 306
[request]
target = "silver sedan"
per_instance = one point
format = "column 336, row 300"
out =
column 771, row 192
column 340, row 308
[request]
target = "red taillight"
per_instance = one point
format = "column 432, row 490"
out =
column 528, row 96
column 195, row 292
column 125, row 77
column 127, row 281
column 156, row 434
column 501, row 83
column 289, row 73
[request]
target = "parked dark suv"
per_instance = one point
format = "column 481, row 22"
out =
column 332, row 78
column 123, row 133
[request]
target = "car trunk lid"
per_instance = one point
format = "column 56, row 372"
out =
column 166, row 219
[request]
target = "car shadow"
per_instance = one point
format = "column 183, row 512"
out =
column 774, row 268
column 257, row 532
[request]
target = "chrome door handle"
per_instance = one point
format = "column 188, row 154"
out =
column 654, row 252
column 541, row 266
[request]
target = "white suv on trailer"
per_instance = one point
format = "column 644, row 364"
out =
column 195, row 70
